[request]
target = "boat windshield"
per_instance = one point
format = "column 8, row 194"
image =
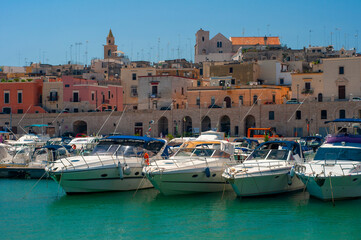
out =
column 201, row 152
column 269, row 154
column 349, row 154
column 118, row 150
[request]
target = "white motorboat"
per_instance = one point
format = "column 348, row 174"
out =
column 115, row 165
column 268, row 170
column 191, row 170
column 335, row 171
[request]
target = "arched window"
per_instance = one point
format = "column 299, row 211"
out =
column 255, row 98
column 342, row 113
column 109, row 53
column 319, row 98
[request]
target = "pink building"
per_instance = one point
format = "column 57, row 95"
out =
column 21, row 97
column 81, row 95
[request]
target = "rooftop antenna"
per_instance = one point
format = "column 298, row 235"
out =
column 310, row 38
column 168, row 50
column 268, row 30
column 71, row 55
column 86, row 52
column 356, row 39
column 158, row 55
column 243, row 30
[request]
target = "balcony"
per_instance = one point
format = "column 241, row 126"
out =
column 52, row 98
column 307, row 91
column 154, row 95
column 75, row 100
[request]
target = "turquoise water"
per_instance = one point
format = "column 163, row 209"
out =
column 47, row 213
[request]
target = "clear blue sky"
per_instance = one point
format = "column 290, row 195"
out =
column 45, row 30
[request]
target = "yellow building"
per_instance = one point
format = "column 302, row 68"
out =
column 228, row 97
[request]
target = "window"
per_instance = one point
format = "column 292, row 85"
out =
column 274, row 98
column 134, row 76
column 198, row 101
column 67, row 85
column 323, row 114
column 201, row 71
column 154, row 90
column 282, row 81
column 231, row 70
column 202, row 39
column 76, row 110
column 133, row 91
column 20, row 96
column 213, row 100
column 341, row 70
column 319, row 97
column 182, row 91
column 20, row 111
column 6, row 110
column 233, row 81
column 219, row 44
column 298, row 115
column 307, row 85
column 241, row 100
column 6, row 97
column 53, row 95
column 108, row 94
column 255, row 97
column 75, row 96
column 342, row 113
column 271, row 115
column 93, row 96
column 109, row 53
column 149, row 74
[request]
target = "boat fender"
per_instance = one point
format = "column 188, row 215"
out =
column 292, row 172
column 207, row 172
column 126, row 169
column 73, row 146
column 289, row 178
column 146, row 158
column 120, row 169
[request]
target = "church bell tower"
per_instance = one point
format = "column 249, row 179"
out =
column 110, row 48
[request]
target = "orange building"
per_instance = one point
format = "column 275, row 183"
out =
column 228, row 97
column 21, row 97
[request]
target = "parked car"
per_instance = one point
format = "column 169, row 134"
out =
column 293, row 101
column 214, row 106
column 355, row 99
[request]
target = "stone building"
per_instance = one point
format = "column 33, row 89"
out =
column 163, row 92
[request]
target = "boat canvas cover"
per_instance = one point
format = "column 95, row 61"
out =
column 151, row 144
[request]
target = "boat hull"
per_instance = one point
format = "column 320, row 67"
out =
column 247, row 186
column 334, row 187
column 188, row 182
column 100, row 180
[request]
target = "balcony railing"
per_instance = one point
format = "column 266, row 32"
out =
column 75, row 100
column 307, row 91
column 154, row 95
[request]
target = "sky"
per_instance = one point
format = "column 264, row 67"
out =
column 58, row 31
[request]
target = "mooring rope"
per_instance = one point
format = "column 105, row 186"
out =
column 34, row 185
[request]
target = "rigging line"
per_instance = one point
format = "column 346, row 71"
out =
column 120, row 118
column 164, row 112
column 105, row 121
column 23, row 118
column 252, row 106
column 209, row 111
column 298, row 107
column 60, row 113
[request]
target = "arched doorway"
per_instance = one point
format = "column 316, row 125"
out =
column 225, row 123
column 249, row 123
column 228, row 102
column 187, row 125
column 80, row 127
column 163, row 126
column 206, row 124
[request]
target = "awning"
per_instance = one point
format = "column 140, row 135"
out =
column 37, row 125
